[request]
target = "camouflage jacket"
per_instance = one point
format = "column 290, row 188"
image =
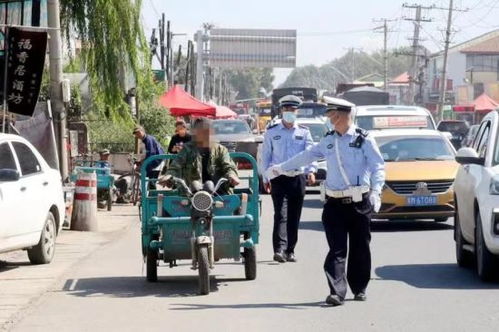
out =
column 188, row 164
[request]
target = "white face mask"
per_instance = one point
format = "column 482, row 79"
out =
column 289, row 117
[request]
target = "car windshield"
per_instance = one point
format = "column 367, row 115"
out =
column 370, row 122
column 311, row 111
column 231, row 127
column 453, row 127
column 404, row 148
column 317, row 130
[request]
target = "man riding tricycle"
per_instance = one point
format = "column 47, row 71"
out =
column 204, row 214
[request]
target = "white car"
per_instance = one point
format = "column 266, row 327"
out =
column 31, row 200
column 476, row 230
column 392, row 117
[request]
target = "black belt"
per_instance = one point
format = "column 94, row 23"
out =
column 345, row 200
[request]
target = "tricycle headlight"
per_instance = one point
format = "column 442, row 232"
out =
column 494, row 185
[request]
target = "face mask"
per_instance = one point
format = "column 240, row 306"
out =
column 289, row 117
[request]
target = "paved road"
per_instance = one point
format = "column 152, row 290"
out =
column 415, row 286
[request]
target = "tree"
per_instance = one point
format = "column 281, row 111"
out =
column 112, row 42
column 340, row 70
column 247, row 82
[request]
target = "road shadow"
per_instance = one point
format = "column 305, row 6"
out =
column 291, row 306
column 408, row 226
column 11, row 265
column 312, row 226
column 137, row 286
column 312, row 203
column 434, row 276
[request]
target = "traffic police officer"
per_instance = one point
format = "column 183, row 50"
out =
column 353, row 186
column 282, row 141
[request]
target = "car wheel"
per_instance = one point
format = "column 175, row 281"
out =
column 43, row 252
column 485, row 260
column 464, row 258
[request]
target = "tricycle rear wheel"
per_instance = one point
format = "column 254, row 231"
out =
column 204, row 270
column 250, row 263
column 152, row 265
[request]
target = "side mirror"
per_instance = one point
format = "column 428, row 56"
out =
column 469, row 156
column 9, row 175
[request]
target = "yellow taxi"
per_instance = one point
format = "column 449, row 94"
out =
column 420, row 171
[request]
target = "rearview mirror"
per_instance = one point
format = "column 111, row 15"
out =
column 9, row 175
column 469, row 156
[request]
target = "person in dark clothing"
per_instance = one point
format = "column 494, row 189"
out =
column 153, row 148
column 179, row 139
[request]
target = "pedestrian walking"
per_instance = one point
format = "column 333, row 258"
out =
column 153, row 148
column 281, row 142
column 180, row 138
column 353, row 187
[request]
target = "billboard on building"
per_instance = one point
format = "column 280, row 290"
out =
column 246, row 48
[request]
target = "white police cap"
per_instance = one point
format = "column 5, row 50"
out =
column 337, row 104
column 290, row 101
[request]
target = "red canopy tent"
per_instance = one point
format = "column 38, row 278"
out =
column 180, row 103
column 223, row 112
column 484, row 104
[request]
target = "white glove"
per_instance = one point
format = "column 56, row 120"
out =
column 273, row 172
column 375, row 200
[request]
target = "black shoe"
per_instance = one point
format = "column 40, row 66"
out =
column 334, row 300
column 291, row 257
column 360, row 297
column 279, row 257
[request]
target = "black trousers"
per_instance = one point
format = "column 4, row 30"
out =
column 347, row 223
column 287, row 196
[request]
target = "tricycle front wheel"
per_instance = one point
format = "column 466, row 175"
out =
column 204, row 270
column 152, row 265
column 250, row 263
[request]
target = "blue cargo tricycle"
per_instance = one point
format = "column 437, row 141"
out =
column 199, row 225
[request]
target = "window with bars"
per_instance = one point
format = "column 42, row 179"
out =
column 488, row 63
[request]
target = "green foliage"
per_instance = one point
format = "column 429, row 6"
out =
column 327, row 76
column 247, row 82
column 113, row 41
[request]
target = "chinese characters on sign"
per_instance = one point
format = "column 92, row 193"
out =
column 25, row 60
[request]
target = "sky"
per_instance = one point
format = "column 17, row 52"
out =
column 326, row 29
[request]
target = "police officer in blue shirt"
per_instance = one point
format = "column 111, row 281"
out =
column 282, row 141
column 353, row 185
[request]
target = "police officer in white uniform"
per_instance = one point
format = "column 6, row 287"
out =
column 353, row 186
column 282, row 141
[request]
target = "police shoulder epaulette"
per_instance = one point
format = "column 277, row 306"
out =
column 361, row 131
column 272, row 126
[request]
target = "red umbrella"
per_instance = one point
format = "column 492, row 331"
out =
column 180, row 103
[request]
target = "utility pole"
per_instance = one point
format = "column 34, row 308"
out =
column 385, row 50
column 187, row 67
column 443, row 77
column 199, row 65
column 55, row 60
column 162, row 41
column 415, row 44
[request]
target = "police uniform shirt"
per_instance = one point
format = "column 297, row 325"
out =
column 281, row 144
column 360, row 157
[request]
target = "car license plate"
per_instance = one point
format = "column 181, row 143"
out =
column 421, row 200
